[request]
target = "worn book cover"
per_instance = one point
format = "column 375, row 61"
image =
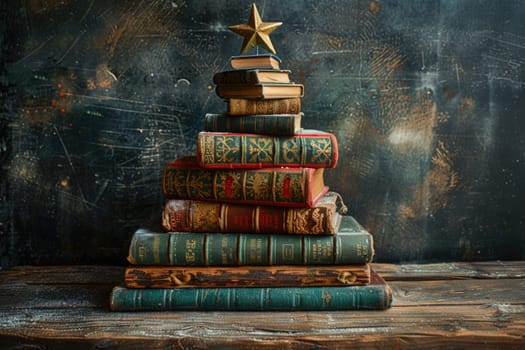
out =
column 269, row 124
column 200, row 216
column 307, row 148
column 244, row 106
column 350, row 246
column 245, row 276
column 292, row 187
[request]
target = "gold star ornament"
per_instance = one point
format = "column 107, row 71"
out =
column 256, row 32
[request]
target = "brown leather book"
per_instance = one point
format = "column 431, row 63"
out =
column 246, row 276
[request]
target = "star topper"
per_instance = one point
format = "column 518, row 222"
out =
column 255, row 32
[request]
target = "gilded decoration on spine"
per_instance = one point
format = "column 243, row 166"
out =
column 311, row 222
column 260, row 149
column 259, row 185
column 228, row 185
column 221, row 149
column 289, row 187
column 321, row 150
column 199, row 184
column 202, row 212
column 290, row 151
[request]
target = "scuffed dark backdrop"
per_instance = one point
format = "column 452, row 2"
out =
column 426, row 99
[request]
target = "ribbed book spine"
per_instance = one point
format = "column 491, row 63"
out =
column 220, row 249
column 311, row 149
column 200, row 216
column 270, row 124
column 293, row 187
column 252, row 299
column 244, row 106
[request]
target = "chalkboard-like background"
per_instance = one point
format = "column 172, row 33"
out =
column 426, row 99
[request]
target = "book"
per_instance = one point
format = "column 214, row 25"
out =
column 375, row 296
column 272, row 124
column 292, row 187
column 260, row 90
column 252, row 76
column 352, row 245
column 245, row 276
column 255, row 61
column 244, row 106
column 200, row 216
column 307, row 148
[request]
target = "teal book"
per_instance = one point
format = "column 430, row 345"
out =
column 375, row 296
column 230, row 150
column 350, row 246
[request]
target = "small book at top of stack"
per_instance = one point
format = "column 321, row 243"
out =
column 260, row 95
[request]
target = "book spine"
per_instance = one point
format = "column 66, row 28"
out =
column 229, row 249
column 230, row 150
column 272, row 124
column 236, row 77
column 252, row 299
column 200, row 216
column 251, row 276
column 240, row 106
column 264, row 186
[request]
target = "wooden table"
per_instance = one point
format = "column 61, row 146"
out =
column 446, row 306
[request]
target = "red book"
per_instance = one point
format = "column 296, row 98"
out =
column 287, row 187
column 307, row 149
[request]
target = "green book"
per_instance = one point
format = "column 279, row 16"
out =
column 351, row 245
column 270, row 124
column 375, row 296
column 306, row 148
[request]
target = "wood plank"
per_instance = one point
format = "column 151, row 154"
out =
column 452, row 270
column 492, row 326
column 458, row 292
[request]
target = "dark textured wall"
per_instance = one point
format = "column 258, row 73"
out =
column 425, row 97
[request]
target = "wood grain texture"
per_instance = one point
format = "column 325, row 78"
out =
column 65, row 307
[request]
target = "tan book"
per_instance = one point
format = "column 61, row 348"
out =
column 245, row 276
column 260, row 90
column 244, row 106
column 255, row 61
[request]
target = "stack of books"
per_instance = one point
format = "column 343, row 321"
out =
column 250, row 224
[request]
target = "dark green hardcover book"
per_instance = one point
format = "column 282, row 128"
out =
column 281, row 186
column 307, row 148
column 252, row 76
column 269, row 124
column 375, row 296
column 351, row 245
